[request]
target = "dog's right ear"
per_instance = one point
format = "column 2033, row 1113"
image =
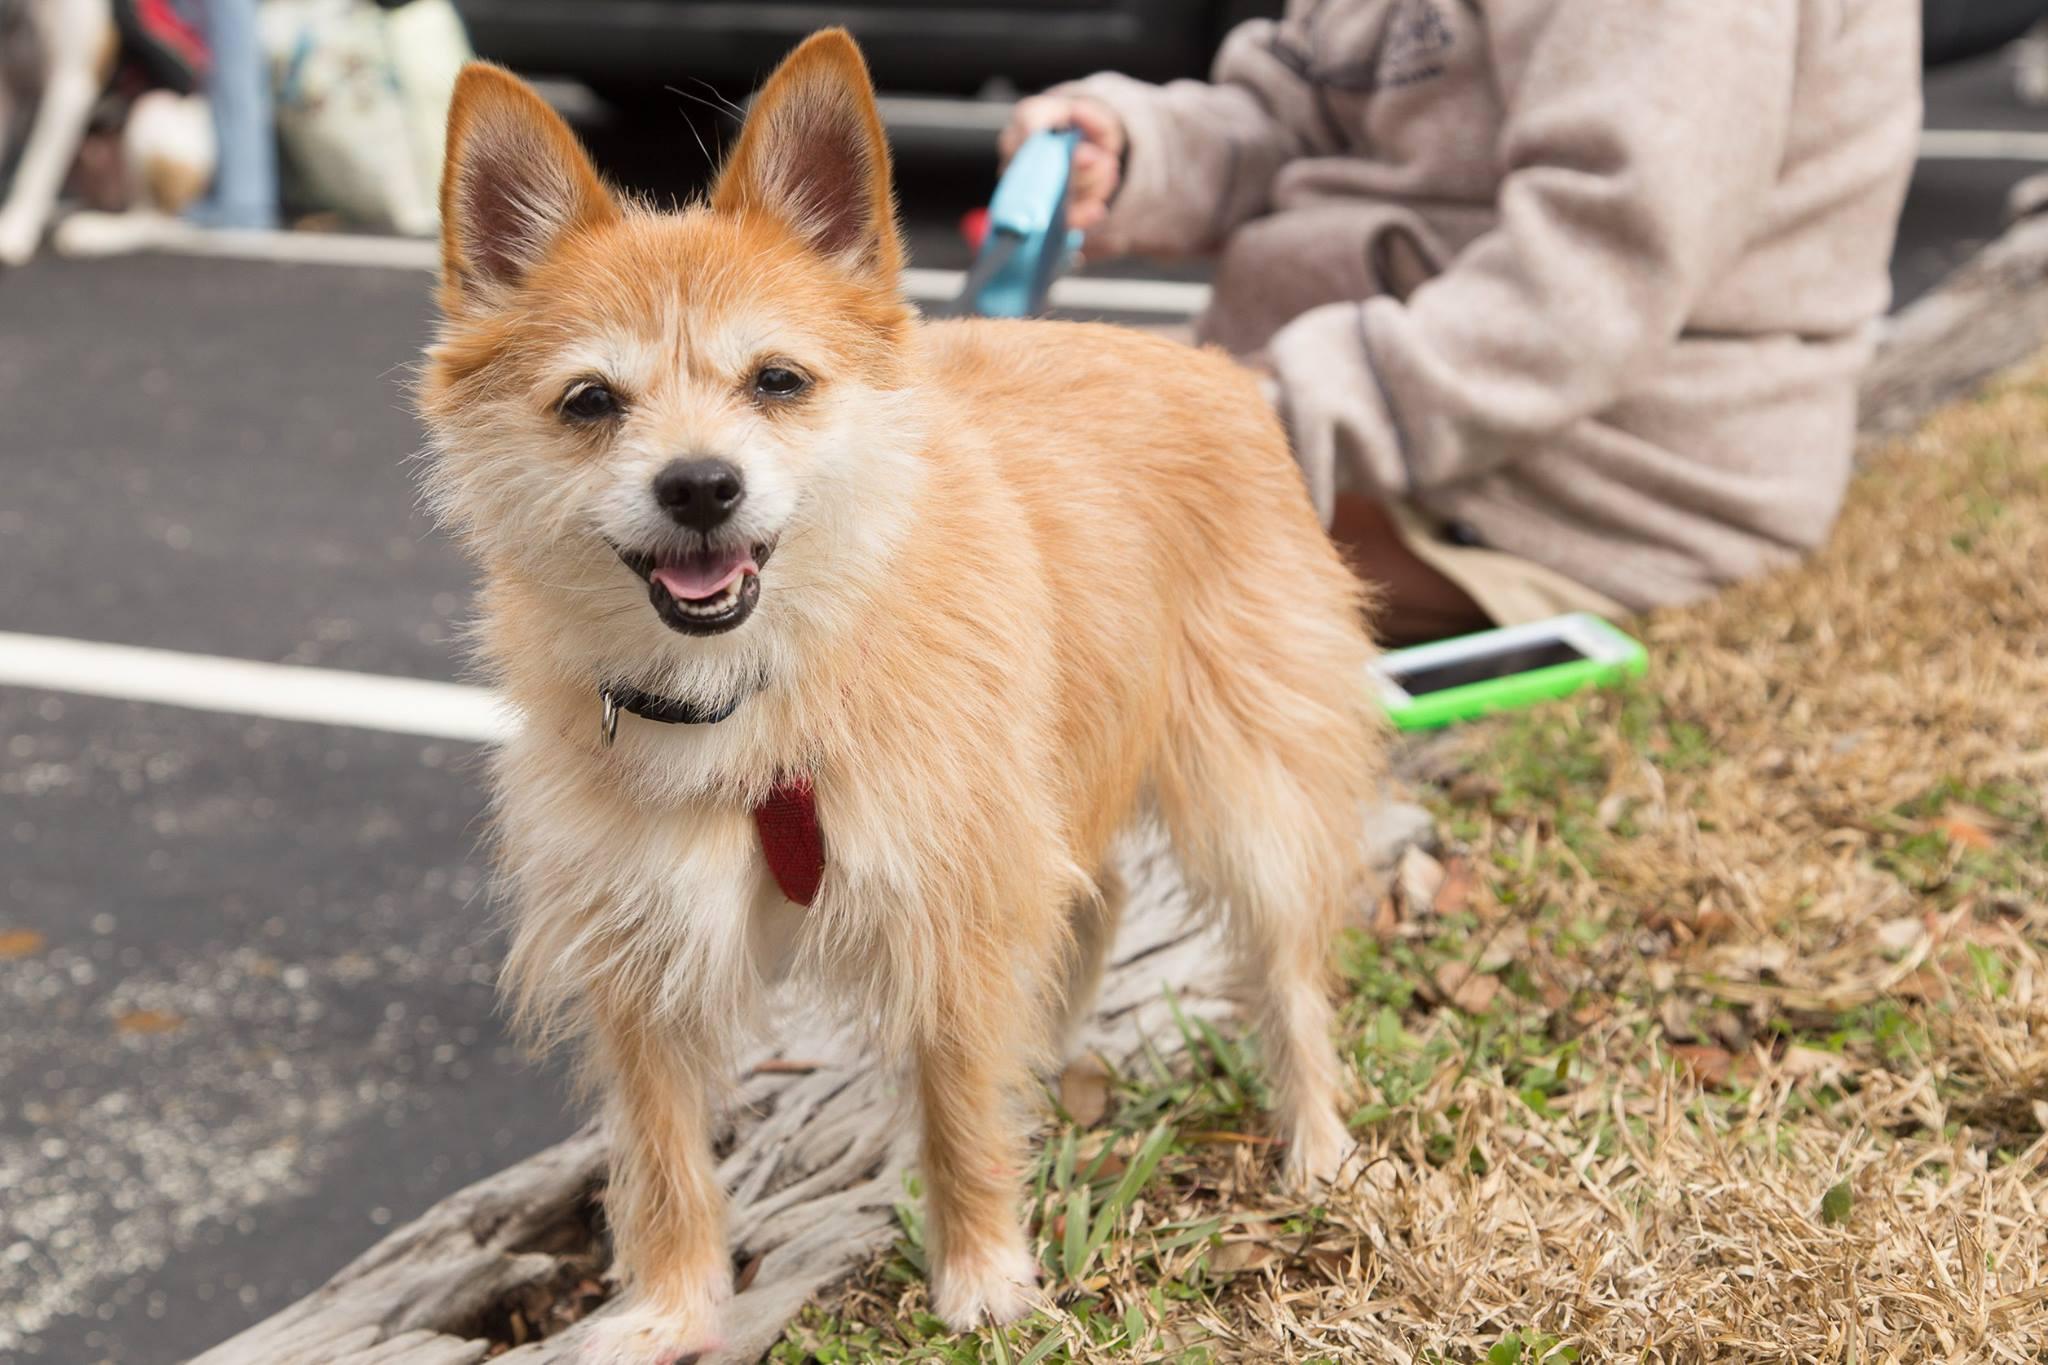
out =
column 515, row 183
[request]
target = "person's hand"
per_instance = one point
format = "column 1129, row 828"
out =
column 1098, row 159
column 1260, row 363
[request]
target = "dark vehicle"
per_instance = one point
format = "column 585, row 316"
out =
column 1957, row 30
column 628, row 48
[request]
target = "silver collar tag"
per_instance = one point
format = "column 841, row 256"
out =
column 608, row 723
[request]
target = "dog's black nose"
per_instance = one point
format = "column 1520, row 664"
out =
column 699, row 493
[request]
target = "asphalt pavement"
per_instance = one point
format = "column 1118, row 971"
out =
column 246, row 1020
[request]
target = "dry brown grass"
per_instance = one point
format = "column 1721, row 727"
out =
column 1725, row 1036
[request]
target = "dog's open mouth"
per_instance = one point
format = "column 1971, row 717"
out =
column 701, row 591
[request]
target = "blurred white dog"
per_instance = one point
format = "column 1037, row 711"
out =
column 56, row 59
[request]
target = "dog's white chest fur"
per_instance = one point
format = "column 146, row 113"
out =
column 676, row 893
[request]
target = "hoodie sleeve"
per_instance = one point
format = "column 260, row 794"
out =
column 1640, row 141
column 1200, row 157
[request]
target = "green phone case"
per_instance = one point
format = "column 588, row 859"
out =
column 1437, row 709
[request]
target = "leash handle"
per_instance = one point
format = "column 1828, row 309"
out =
column 1028, row 243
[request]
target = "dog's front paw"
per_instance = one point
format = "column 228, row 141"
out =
column 641, row 1334
column 983, row 1288
column 1317, row 1149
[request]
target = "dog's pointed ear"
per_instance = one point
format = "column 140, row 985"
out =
column 515, row 183
column 814, row 157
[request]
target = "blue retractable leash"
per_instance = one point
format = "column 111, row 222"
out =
column 1028, row 242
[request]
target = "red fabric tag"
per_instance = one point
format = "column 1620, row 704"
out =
column 791, row 840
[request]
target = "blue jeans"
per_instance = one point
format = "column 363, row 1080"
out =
column 245, row 185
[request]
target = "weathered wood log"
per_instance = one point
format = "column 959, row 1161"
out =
column 1990, row 315
column 816, row 1152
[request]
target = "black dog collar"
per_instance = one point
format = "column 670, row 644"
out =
column 617, row 697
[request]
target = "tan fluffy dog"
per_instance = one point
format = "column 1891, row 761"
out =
column 1028, row 582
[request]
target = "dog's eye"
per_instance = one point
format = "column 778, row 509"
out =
column 776, row 381
column 589, row 401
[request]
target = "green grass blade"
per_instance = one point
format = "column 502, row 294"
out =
column 1052, row 1342
column 1063, row 1166
column 1076, row 1242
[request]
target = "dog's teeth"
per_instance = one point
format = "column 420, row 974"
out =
column 715, row 606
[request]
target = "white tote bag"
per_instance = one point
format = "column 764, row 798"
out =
column 362, row 99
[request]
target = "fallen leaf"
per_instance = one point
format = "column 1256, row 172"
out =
column 1927, row 983
column 1473, row 789
column 1235, row 1257
column 1385, row 918
column 1084, row 1090
column 1460, row 886
column 19, row 943
column 1331, row 1258
column 1711, row 1066
column 1968, row 827
column 1417, row 881
column 1712, row 922
column 147, row 1021
column 1469, row 990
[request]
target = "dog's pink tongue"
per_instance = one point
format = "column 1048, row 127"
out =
column 696, row 577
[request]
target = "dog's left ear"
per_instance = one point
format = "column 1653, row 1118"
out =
column 813, row 156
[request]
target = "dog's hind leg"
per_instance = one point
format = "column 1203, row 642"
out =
column 76, row 38
column 1263, row 789
column 1279, row 914
column 52, row 141
column 1093, row 921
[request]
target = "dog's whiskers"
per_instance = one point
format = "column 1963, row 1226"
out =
column 718, row 109
column 738, row 113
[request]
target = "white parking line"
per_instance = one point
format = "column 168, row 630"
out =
column 1079, row 294
column 1101, row 293
column 243, row 687
column 1084, row 294
column 1982, row 144
column 173, row 237
column 977, row 118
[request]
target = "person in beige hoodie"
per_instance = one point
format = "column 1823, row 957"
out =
column 1564, row 301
